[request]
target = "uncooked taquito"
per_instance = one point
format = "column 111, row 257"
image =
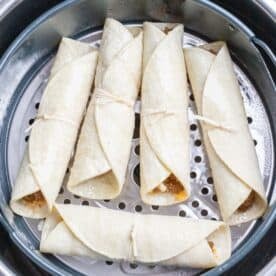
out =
column 164, row 132
column 102, row 233
column 54, row 132
column 103, row 149
column 229, row 145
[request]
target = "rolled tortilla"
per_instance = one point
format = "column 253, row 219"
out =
column 164, row 132
column 229, row 145
column 103, row 149
column 166, row 240
column 55, row 130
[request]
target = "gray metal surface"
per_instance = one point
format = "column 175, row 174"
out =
column 201, row 204
column 6, row 6
column 24, row 69
column 269, row 269
column 6, row 270
column 268, row 6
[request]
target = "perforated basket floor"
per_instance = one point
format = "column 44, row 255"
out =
column 201, row 204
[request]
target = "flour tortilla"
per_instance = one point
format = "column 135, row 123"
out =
column 230, row 147
column 108, row 234
column 103, row 149
column 54, row 132
column 164, row 132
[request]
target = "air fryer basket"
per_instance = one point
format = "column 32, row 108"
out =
column 23, row 74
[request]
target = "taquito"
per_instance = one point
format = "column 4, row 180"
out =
column 54, row 132
column 103, row 149
column 228, row 142
column 103, row 234
column 164, row 132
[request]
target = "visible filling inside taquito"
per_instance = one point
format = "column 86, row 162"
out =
column 213, row 248
column 34, row 200
column 171, row 185
column 247, row 203
column 167, row 30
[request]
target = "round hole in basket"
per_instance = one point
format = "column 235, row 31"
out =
column 31, row 121
column 109, row 262
column 182, row 213
column 205, row 191
column 198, row 142
column 137, row 150
column 137, row 126
column 122, row 205
column 193, row 127
column 204, row 212
column 136, row 174
column 138, row 208
column 210, row 180
column 37, row 105
column 193, row 174
column 133, row 266
column 198, row 159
